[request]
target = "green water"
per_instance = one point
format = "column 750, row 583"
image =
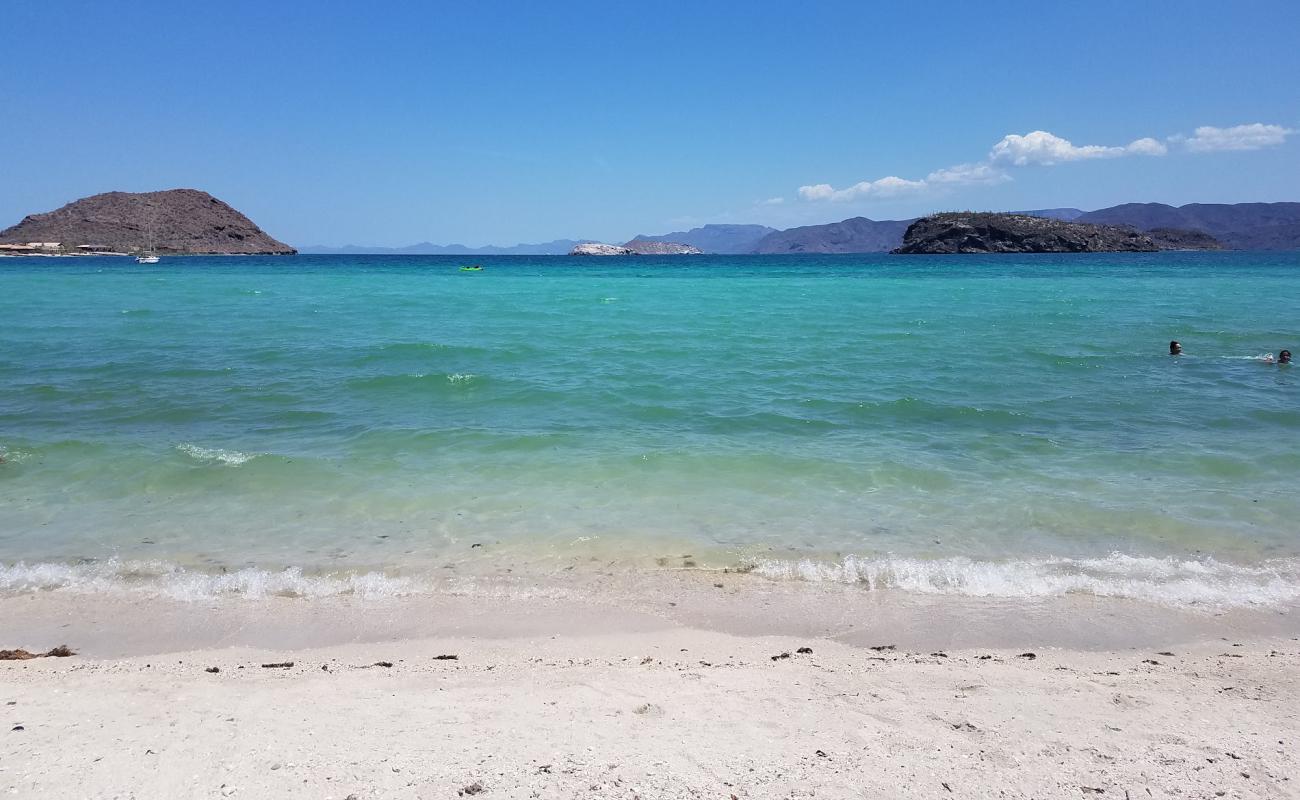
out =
column 981, row 425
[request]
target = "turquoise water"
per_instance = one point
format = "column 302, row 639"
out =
column 1006, row 426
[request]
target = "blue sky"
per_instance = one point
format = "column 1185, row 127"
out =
column 490, row 122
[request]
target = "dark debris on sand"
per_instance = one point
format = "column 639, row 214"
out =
column 62, row 651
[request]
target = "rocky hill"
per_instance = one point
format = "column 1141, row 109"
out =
column 856, row 235
column 722, row 239
column 178, row 221
column 970, row 232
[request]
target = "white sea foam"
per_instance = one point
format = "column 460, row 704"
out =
column 162, row 579
column 460, row 377
column 13, row 456
column 1165, row 581
column 212, row 455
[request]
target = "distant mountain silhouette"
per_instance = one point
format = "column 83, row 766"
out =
column 1240, row 226
column 856, row 235
column 558, row 247
column 1063, row 214
column 715, row 238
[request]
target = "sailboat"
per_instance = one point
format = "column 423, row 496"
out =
column 148, row 256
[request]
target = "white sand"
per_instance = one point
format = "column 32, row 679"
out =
column 655, row 710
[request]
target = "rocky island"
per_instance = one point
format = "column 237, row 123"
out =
column 636, row 247
column 983, row 232
column 172, row 222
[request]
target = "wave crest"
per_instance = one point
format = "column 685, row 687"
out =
column 161, row 579
column 1172, row 582
column 213, row 455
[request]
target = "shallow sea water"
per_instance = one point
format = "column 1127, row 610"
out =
column 989, row 426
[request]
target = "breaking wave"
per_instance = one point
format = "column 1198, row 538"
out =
column 1172, row 582
column 212, row 455
column 1176, row 583
column 163, row 579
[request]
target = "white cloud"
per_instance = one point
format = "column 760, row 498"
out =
column 1041, row 147
column 889, row 186
column 968, row 173
column 772, row 201
column 818, row 191
column 893, row 186
column 1209, row 139
column 1146, row 146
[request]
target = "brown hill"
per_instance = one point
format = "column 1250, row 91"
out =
column 174, row 221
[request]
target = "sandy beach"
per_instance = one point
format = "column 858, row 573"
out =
column 560, row 698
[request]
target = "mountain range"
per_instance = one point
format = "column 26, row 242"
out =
column 1239, row 226
column 856, row 235
column 722, row 239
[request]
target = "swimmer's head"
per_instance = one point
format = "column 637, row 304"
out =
column 1284, row 357
column 1175, row 349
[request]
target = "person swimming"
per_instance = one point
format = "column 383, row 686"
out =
column 1284, row 357
column 1175, row 348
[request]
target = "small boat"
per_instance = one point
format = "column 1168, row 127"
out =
column 147, row 254
column 472, row 268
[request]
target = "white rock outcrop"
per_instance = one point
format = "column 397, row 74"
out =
column 598, row 249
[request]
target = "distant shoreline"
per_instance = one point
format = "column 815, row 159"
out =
column 131, row 255
column 639, row 258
